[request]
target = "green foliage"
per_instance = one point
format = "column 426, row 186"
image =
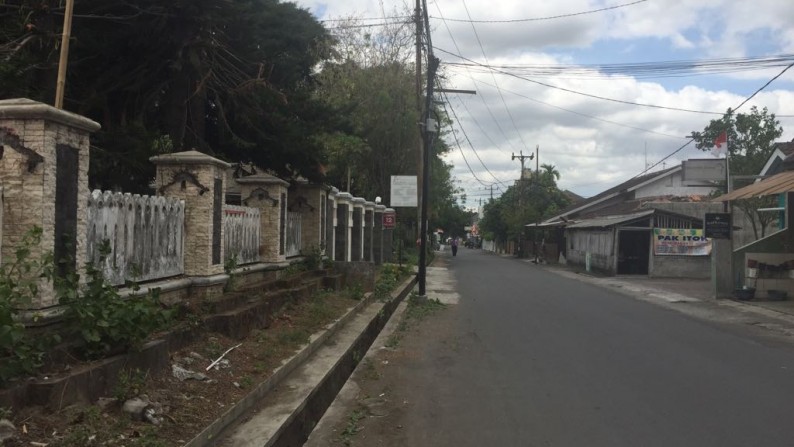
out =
column 101, row 319
column 227, row 78
column 129, row 384
column 352, row 428
column 532, row 199
column 313, row 258
column 750, row 138
column 229, row 267
column 20, row 351
column 750, row 143
column 355, row 291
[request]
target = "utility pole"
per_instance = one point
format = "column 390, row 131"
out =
column 60, row 86
column 420, row 152
column 428, row 145
column 537, row 185
column 522, row 158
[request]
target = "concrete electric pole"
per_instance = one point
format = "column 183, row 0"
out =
column 522, row 158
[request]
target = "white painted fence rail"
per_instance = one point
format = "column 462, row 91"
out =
column 146, row 235
column 293, row 243
column 241, row 226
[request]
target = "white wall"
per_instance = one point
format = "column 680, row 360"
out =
column 671, row 185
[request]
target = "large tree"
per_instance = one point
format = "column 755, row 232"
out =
column 228, row 78
column 750, row 143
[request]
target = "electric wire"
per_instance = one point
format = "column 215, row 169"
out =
column 593, row 117
column 537, row 19
column 589, row 95
column 466, row 136
column 501, row 96
column 482, row 98
column 640, row 70
column 733, row 110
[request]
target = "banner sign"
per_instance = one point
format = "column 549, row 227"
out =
column 680, row 242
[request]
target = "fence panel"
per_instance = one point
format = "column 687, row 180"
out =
column 241, row 233
column 293, row 234
column 145, row 234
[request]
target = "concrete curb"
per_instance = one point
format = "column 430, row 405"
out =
column 209, row 435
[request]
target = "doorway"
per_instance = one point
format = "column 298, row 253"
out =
column 634, row 251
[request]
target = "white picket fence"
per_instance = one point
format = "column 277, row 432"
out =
column 241, row 233
column 293, row 243
column 145, row 233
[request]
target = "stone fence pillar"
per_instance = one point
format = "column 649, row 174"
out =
column 330, row 223
column 358, row 229
column 269, row 194
column 309, row 201
column 44, row 178
column 198, row 179
column 369, row 215
column 388, row 237
column 377, row 235
column 344, row 223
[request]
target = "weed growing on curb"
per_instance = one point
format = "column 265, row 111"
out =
column 352, row 427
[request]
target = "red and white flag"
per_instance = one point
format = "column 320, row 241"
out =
column 720, row 144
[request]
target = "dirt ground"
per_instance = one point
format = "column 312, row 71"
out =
column 184, row 408
column 371, row 409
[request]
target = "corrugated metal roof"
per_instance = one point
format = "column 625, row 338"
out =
column 608, row 221
column 778, row 183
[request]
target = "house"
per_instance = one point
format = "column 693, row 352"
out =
column 648, row 225
column 765, row 264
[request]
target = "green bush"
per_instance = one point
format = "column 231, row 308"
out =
column 20, row 352
column 103, row 321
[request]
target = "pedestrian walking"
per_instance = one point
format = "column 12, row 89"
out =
column 454, row 246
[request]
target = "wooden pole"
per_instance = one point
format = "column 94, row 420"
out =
column 67, row 32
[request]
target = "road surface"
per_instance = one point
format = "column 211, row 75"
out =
column 531, row 358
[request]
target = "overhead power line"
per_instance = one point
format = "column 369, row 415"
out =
column 482, row 97
column 735, row 109
column 501, row 96
column 576, row 92
column 640, row 70
column 536, row 19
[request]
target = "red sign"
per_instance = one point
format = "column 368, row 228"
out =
column 389, row 220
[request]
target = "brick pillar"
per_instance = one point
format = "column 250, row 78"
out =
column 358, row 229
column 369, row 215
column 269, row 194
column 44, row 177
column 330, row 230
column 388, row 239
column 344, row 222
column 199, row 180
column 309, row 200
column 377, row 234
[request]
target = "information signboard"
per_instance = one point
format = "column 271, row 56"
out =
column 717, row 225
column 389, row 220
column 403, row 191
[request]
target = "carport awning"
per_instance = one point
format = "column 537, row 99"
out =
column 777, row 184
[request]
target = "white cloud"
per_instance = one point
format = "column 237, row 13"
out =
column 594, row 154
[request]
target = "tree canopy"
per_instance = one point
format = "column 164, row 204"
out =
column 750, row 144
column 233, row 79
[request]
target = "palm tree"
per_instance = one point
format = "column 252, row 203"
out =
column 550, row 174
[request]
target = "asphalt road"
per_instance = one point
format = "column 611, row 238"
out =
column 530, row 358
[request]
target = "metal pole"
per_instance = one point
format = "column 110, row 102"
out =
column 67, row 31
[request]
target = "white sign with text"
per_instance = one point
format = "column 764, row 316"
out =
column 403, row 191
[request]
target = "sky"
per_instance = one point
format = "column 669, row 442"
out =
column 526, row 103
